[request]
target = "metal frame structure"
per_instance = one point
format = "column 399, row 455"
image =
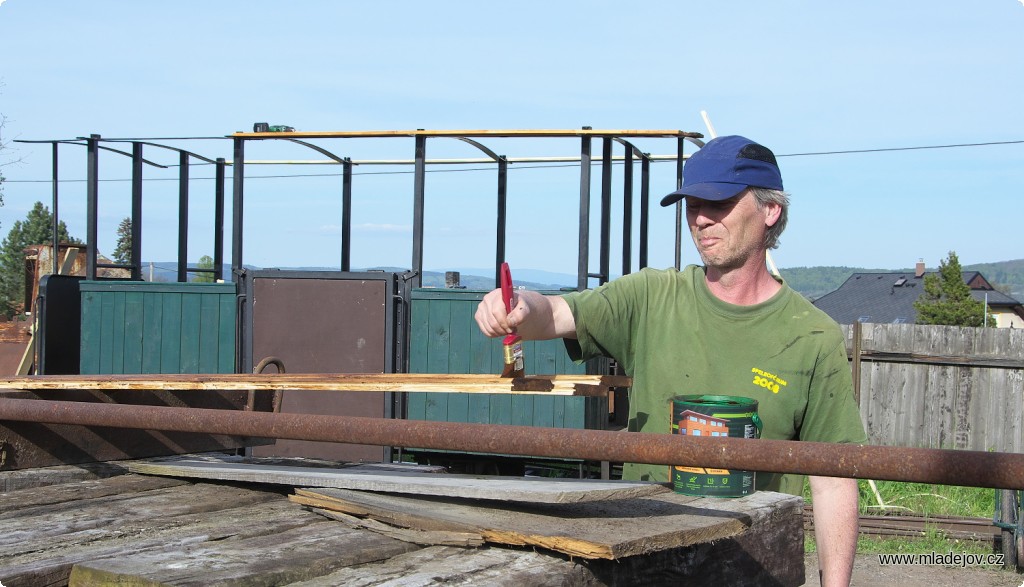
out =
column 94, row 144
column 472, row 137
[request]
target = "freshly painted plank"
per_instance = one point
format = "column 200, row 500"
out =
column 443, row 383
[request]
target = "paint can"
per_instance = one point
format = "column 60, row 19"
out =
column 714, row 416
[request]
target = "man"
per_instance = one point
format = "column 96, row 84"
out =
column 725, row 328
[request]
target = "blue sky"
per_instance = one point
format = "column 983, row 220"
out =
column 800, row 77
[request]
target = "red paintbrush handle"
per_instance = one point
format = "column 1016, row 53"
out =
column 506, row 287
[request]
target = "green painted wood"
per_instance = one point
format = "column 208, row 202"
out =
column 152, row 332
column 92, row 317
column 444, row 338
column 190, row 321
column 209, row 338
column 436, row 343
column 500, row 409
column 134, row 316
column 522, row 410
column 416, row 403
column 107, row 341
column 170, row 345
column 140, row 327
column 479, row 409
column 226, row 334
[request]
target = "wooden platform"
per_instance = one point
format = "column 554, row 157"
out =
column 97, row 525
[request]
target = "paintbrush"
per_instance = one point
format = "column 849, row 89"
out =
column 513, row 343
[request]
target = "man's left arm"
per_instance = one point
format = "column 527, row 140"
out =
column 835, row 527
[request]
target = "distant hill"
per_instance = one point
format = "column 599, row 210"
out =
column 812, row 282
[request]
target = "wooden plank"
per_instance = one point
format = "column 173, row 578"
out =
column 289, row 556
column 50, row 561
column 421, row 537
column 580, row 385
column 56, row 475
column 447, row 565
column 521, row 489
column 20, row 503
column 594, row 530
column 70, row 522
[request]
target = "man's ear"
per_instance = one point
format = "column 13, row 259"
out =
column 772, row 212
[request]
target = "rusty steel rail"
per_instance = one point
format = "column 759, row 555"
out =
column 922, row 465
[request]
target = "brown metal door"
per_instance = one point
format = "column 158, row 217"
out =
column 324, row 323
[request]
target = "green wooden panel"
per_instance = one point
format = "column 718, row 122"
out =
column 500, row 409
column 107, row 342
column 416, row 406
column 226, row 334
column 92, row 317
column 438, row 337
column 522, row 410
column 444, row 338
column 170, row 345
column 190, row 321
column 460, row 327
column 134, row 317
column 209, row 338
column 152, row 331
column 139, row 327
column 479, row 408
column 416, row 403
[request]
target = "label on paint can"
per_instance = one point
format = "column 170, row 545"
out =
column 714, row 416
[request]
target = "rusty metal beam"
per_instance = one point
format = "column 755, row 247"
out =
column 944, row 467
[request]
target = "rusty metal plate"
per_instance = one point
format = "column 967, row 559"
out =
column 320, row 322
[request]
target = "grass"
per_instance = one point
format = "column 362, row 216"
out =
column 918, row 499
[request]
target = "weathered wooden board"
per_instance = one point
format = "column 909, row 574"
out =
column 431, row 382
column 606, row 529
column 136, row 530
column 45, row 476
column 292, row 555
column 524, row 489
column 443, row 565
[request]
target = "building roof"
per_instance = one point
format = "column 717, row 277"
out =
column 889, row 297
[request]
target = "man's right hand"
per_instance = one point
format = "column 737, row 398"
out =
column 534, row 316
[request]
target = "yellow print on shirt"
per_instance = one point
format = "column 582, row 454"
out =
column 767, row 380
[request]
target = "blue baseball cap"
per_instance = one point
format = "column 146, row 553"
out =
column 726, row 166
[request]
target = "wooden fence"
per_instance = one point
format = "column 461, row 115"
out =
column 939, row 386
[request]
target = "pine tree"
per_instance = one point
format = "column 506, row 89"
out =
column 947, row 298
column 123, row 251
column 36, row 229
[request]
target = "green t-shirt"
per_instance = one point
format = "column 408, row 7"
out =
column 674, row 337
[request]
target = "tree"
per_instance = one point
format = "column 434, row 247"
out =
column 947, row 298
column 205, row 262
column 36, row 229
column 123, row 251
